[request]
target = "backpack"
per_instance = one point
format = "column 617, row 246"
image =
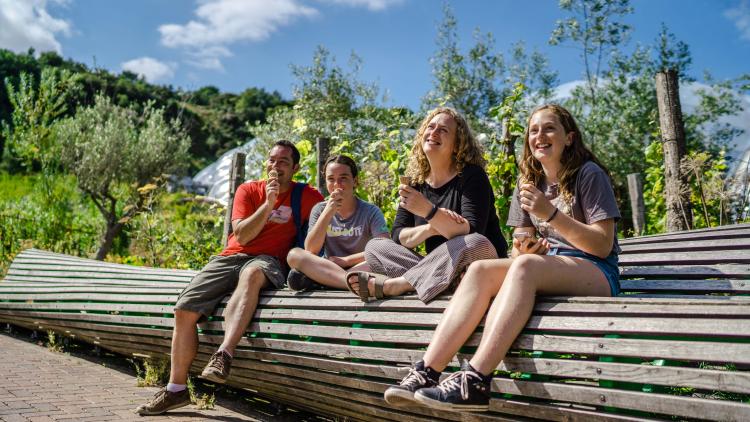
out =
column 302, row 226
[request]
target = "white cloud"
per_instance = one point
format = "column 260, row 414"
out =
column 26, row 23
column 220, row 23
column 740, row 15
column 374, row 5
column 151, row 69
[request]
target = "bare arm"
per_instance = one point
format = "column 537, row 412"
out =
column 595, row 238
column 247, row 229
column 410, row 237
column 317, row 235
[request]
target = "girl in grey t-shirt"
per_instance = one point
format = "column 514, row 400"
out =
column 565, row 197
column 340, row 227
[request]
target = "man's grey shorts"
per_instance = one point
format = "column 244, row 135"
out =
column 219, row 278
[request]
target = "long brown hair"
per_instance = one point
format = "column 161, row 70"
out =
column 467, row 149
column 573, row 157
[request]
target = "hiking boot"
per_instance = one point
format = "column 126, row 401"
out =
column 218, row 367
column 418, row 377
column 298, row 281
column 466, row 390
column 164, row 400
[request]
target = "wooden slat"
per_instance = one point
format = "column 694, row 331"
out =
column 682, row 245
column 686, row 272
column 708, row 379
column 690, row 258
column 713, row 232
column 691, row 286
column 658, row 403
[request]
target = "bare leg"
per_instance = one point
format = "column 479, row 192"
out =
column 319, row 269
column 184, row 345
column 528, row 276
column 464, row 312
column 241, row 306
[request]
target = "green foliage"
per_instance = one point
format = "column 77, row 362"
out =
column 474, row 82
column 36, row 106
column 502, row 167
column 204, row 401
column 114, row 152
column 330, row 102
column 151, row 372
column 175, row 231
column 28, row 218
column 214, row 121
column 53, row 342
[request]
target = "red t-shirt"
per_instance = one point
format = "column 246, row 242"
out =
column 279, row 233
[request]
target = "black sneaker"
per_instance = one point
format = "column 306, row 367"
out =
column 298, row 281
column 466, row 390
column 418, row 377
column 163, row 401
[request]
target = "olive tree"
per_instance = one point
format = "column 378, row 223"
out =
column 116, row 155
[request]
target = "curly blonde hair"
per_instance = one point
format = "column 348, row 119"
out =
column 573, row 157
column 467, row 149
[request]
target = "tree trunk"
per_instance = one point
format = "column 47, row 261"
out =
column 679, row 213
column 323, row 148
column 113, row 229
column 635, row 190
column 236, row 177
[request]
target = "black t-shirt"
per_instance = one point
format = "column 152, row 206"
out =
column 469, row 194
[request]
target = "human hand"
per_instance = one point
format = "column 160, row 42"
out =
column 413, row 201
column 272, row 187
column 534, row 202
column 458, row 218
column 341, row 262
column 335, row 200
column 531, row 245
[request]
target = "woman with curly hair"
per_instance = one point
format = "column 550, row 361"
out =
column 566, row 197
column 446, row 202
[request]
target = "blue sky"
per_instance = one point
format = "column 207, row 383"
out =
column 236, row 44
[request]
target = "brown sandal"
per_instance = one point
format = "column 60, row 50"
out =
column 364, row 291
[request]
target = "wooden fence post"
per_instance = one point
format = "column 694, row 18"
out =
column 236, row 177
column 679, row 213
column 635, row 189
column 323, row 149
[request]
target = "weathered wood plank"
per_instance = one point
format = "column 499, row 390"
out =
column 687, row 407
column 708, row 379
column 686, row 257
column 686, row 272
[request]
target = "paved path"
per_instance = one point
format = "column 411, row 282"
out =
column 39, row 385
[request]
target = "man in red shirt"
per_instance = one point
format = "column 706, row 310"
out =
column 263, row 231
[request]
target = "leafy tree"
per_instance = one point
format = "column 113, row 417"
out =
column 116, row 154
column 475, row 81
column 595, row 26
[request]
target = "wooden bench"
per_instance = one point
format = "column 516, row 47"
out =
column 676, row 343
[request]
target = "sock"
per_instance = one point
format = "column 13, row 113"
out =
column 221, row 349
column 176, row 388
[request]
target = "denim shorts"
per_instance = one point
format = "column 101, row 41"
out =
column 608, row 265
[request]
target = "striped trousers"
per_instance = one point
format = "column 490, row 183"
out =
column 432, row 274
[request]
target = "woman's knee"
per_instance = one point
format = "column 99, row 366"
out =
column 525, row 268
column 479, row 246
